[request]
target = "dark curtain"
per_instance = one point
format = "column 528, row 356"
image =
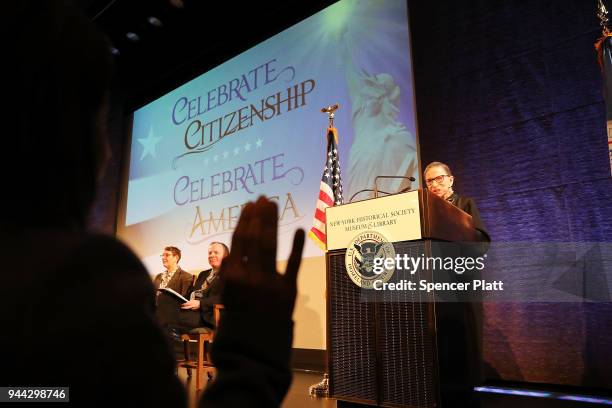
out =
column 509, row 94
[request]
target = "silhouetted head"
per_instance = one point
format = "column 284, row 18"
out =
column 58, row 68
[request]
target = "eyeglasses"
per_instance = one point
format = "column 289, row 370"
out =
column 439, row 179
column 165, row 255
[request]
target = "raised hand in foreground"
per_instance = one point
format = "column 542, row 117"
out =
column 252, row 346
column 251, row 280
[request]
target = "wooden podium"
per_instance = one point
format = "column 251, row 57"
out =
column 382, row 350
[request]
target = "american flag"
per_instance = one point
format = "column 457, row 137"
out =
column 330, row 193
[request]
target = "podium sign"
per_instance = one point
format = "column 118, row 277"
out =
column 396, row 217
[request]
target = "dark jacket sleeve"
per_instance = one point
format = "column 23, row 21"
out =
column 157, row 281
column 186, row 283
column 481, row 247
column 468, row 205
column 196, row 283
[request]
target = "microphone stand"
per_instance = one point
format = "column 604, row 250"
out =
column 409, row 178
column 371, row 189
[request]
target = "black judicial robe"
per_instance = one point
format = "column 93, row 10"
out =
column 459, row 326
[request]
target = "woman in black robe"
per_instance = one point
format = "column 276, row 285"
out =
column 459, row 321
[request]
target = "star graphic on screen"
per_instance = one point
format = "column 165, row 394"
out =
column 247, row 147
column 236, row 151
column 148, row 144
column 259, row 142
column 225, row 154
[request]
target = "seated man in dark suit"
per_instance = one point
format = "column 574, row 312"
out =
column 206, row 291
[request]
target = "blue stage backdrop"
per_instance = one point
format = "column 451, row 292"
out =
column 510, row 95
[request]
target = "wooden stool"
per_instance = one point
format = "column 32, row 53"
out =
column 202, row 362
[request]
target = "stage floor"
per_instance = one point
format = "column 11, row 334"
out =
column 298, row 396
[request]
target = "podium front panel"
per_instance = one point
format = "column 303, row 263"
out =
column 352, row 363
column 381, row 352
column 406, row 343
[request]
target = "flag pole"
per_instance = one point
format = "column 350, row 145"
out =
column 321, row 389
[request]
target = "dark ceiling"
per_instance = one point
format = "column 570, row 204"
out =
column 193, row 37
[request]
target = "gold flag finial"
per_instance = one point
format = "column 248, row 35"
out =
column 330, row 111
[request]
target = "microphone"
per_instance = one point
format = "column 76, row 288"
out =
column 330, row 108
column 410, row 178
